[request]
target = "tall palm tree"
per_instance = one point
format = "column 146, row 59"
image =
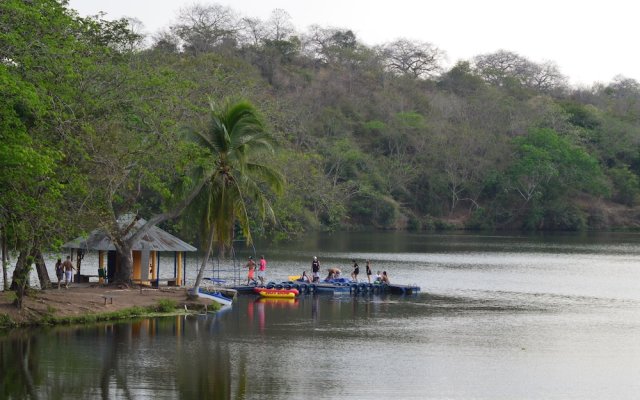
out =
column 237, row 141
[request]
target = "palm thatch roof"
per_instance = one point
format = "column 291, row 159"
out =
column 155, row 240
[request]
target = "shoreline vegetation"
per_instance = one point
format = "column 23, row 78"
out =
column 202, row 133
column 90, row 304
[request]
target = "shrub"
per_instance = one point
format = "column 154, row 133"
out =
column 480, row 220
column 6, row 321
column 166, row 305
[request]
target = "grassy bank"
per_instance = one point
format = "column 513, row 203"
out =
column 164, row 307
column 86, row 306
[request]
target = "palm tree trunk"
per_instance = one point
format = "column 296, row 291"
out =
column 196, row 285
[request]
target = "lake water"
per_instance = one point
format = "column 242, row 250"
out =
column 499, row 317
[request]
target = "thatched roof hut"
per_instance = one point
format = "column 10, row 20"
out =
column 145, row 253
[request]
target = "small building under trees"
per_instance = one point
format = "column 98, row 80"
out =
column 146, row 255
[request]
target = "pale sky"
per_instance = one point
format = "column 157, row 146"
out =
column 590, row 41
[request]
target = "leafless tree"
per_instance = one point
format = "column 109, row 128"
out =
column 279, row 26
column 503, row 66
column 203, row 27
column 329, row 44
column 252, row 31
column 416, row 59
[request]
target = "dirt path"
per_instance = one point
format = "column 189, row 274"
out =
column 88, row 299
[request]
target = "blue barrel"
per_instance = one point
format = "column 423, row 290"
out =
column 303, row 288
column 279, row 286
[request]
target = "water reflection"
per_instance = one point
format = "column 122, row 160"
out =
column 202, row 356
column 126, row 360
column 548, row 323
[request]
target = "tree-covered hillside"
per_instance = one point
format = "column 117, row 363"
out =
column 94, row 123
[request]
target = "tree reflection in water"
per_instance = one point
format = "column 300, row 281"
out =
column 172, row 356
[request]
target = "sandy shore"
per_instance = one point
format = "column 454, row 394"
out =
column 80, row 300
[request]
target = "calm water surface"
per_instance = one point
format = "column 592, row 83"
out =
column 499, row 317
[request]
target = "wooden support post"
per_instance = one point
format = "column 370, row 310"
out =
column 179, row 267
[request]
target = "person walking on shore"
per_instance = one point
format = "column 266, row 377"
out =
column 59, row 272
column 68, row 268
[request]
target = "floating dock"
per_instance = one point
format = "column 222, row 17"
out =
column 335, row 288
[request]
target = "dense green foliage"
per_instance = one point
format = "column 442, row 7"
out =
column 93, row 118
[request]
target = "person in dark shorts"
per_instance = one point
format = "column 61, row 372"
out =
column 368, row 271
column 315, row 270
column 356, row 271
column 59, row 272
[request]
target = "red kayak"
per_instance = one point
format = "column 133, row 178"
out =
column 276, row 293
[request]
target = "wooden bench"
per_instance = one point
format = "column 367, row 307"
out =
column 109, row 297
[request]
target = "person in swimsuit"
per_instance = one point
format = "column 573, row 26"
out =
column 356, row 271
column 368, row 271
column 252, row 267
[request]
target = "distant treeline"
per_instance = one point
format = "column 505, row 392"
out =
column 93, row 120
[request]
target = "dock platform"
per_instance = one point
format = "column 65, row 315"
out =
column 334, row 288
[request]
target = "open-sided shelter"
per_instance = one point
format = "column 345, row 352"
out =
column 146, row 253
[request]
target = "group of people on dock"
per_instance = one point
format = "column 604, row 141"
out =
column 333, row 274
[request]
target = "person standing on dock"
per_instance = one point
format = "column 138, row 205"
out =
column 356, row 271
column 368, row 271
column 262, row 269
column 315, row 268
column 252, row 267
